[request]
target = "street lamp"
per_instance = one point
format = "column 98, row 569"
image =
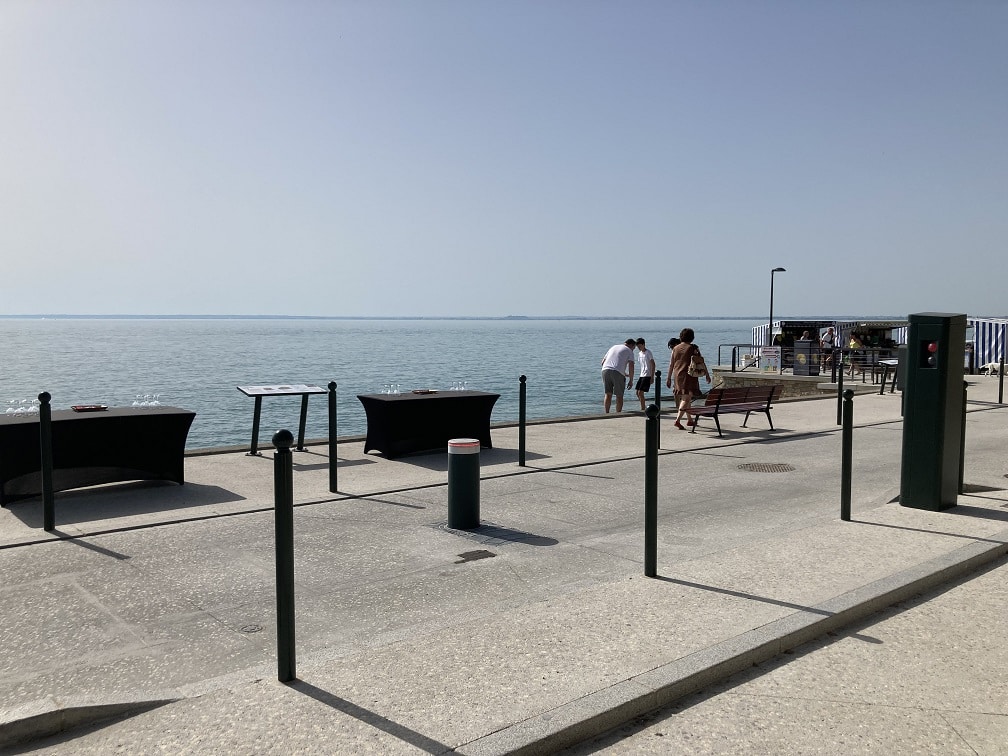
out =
column 770, row 329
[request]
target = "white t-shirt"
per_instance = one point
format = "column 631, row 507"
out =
column 644, row 361
column 617, row 358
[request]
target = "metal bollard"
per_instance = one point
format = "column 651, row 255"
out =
column 463, row 483
column 962, row 443
column 332, row 437
column 839, row 397
column 657, row 401
column 846, row 457
column 283, row 490
column 1001, row 373
column 45, row 451
column 651, row 492
column 521, row 420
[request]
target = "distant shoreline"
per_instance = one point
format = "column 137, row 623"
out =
column 517, row 318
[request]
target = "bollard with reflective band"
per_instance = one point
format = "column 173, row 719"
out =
column 45, row 450
column 846, row 456
column 332, row 437
column 464, row 483
column 651, row 492
column 521, row 421
column 283, row 492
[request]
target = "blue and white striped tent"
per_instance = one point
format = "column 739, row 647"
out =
column 988, row 339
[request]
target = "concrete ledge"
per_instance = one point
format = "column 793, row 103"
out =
column 46, row 718
column 618, row 704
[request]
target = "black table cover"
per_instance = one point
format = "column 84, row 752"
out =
column 399, row 424
column 121, row 443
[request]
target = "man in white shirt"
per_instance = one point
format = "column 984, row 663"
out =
column 614, row 372
column 645, row 361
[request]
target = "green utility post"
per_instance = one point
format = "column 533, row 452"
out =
column 521, row 420
column 45, row 451
column 283, row 495
column 657, row 402
column 651, row 492
column 846, row 454
column 933, row 411
column 333, row 483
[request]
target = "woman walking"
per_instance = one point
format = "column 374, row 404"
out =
column 686, row 386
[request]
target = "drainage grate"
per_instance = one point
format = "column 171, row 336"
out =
column 770, row 467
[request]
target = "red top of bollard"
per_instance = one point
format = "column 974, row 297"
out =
column 463, row 446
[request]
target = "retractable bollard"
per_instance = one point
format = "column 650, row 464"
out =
column 463, row 483
column 45, row 451
column 283, row 492
column 332, row 437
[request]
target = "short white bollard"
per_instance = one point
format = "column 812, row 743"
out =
column 463, row 483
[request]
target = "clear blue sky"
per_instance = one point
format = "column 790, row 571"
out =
column 483, row 157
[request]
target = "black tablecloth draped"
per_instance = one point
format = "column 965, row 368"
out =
column 89, row 448
column 399, row 424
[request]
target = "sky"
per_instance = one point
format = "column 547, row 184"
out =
column 487, row 158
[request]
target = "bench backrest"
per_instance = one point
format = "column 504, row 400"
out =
column 743, row 395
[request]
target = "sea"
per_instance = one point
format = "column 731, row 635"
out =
column 198, row 363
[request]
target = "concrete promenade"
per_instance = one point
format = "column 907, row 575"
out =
column 537, row 631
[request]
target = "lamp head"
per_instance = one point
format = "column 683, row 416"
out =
column 778, row 270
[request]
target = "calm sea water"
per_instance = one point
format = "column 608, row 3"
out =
column 197, row 364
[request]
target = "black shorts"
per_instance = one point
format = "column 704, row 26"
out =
column 643, row 384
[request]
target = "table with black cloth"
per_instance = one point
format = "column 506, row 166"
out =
column 89, row 448
column 399, row 424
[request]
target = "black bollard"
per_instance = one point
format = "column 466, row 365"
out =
column 651, row 492
column 283, row 489
column 846, row 457
column 839, row 397
column 962, row 442
column 464, row 483
column 1001, row 374
column 45, row 450
column 332, row 437
column 521, row 420
column 657, row 402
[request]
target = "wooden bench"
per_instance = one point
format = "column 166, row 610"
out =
column 739, row 399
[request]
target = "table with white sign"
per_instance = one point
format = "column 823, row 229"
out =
column 291, row 389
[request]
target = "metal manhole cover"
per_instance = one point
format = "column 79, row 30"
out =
column 770, row 467
column 250, row 629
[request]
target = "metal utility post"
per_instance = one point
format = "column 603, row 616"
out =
column 770, row 329
column 846, row 454
column 521, row 420
column 283, row 491
column 332, row 438
column 651, row 492
column 45, row 450
column 657, row 401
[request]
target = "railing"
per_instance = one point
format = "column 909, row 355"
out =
column 737, row 363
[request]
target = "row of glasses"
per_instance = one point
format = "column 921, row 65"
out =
column 147, row 400
column 20, row 407
column 459, row 386
column 390, row 388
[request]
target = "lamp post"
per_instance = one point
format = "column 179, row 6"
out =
column 770, row 329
